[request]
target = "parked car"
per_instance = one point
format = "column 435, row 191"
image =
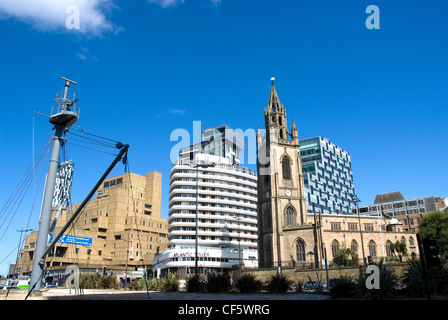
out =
column 313, row 286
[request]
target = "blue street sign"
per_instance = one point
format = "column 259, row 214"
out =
column 69, row 239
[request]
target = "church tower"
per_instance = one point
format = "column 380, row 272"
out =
column 284, row 236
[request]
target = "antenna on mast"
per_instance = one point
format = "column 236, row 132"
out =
column 64, row 116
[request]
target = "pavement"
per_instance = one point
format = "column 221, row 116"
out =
column 96, row 294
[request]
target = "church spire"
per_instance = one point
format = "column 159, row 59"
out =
column 274, row 102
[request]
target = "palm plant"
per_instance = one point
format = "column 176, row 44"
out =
column 247, row 283
column 388, row 285
column 400, row 249
column 342, row 257
column 196, row 284
column 279, row 283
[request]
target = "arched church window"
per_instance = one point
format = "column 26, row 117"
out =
column 354, row 246
column 389, row 251
column 289, row 216
column 335, row 247
column 286, row 167
column 372, row 248
column 300, row 250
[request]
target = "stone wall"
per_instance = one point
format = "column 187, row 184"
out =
column 296, row 274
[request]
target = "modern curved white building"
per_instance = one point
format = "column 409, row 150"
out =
column 227, row 217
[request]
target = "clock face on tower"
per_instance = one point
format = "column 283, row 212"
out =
column 288, row 192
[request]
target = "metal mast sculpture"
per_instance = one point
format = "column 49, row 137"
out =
column 66, row 115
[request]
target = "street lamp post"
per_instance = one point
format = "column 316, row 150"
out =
column 197, row 166
column 239, row 244
column 18, row 252
column 356, row 200
column 127, row 259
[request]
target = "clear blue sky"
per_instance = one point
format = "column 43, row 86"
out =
column 145, row 68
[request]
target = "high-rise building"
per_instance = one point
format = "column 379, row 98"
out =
column 328, row 177
column 223, row 219
column 218, row 143
column 121, row 230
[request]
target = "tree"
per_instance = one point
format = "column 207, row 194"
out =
column 400, row 248
column 342, row 257
column 434, row 225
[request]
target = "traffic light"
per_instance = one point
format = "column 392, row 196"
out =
column 431, row 252
column 369, row 260
column 104, row 270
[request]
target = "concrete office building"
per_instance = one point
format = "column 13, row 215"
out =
column 407, row 211
column 227, row 210
column 121, row 230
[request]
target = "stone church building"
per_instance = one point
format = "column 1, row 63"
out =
column 287, row 233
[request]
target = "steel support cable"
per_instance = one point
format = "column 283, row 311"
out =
column 93, row 141
column 97, row 136
column 78, row 145
column 31, row 167
column 19, row 189
column 35, row 198
column 20, row 196
column 138, row 234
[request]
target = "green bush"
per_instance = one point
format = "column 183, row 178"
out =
column 343, row 286
column 154, row 284
column 137, row 285
column 196, row 284
column 279, row 284
column 170, row 283
column 97, row 281
column 218, row 283
column 247, row 283
column 298, row 286
column 413, row 280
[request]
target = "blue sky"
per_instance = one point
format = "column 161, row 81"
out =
column 145, row 68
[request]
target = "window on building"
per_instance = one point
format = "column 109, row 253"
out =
column 354, row 246
column 372, row 248
column 300, row 250
column 335, row 247
column 352, row 226
column 289, row 216
column 389, row 252
column 286, row 167
column 335, row 226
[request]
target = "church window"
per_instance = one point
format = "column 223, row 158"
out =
column 289, row 216
column 300, row 250
column 354, row 246
column 389, row 251
column 372, row 248
column 335, row 247
column 286, row 167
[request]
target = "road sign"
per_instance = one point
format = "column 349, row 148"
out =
column 69, row 239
